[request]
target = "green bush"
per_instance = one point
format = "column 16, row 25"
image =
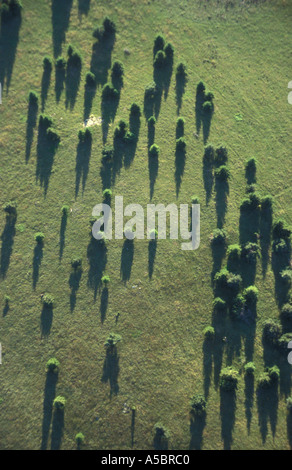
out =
column 117, row 70
column 219, row 304
column 272, row 332
column 201, row 88
column 10, row 208
column 180, row 125
column 281, row 246
column 281, row 230
column 234, row 282
column 53, row 365
column 161, row 431
column 221, row 278
column 251, row 295
column 65, row 210
column 151, row 122
column 249, row 368
column 59, row 403
column 79, row 438
column 158, row 44
column 238, row 307
column 107, row 194
column 105, row 280
column 74, row 57
column 274, row 373
column 76, row 262
column 286, row 311
column 208, row 107
column 251, row 164
column 107, row 152
column 209, row 332
column 180, row 144
column 218, row 237
column 195, row 200
column 286, row 275
column 228, row 379
column 112, row 340
column 135, row 110
column 209, row 96
column 169, row 52
column 61, row 63
column 221, row 155
column 160, row 59
column 85, row 135
column 33, row 98
column 47, row 63
column 48, row 300
column 283, row 342
column 222, row 173
column 264, row 381
column 234, row 253
column 250, row 252
column 154, row 151
column 181, row 70
column 109, row 92
column 198, row 405
column 90, row 80
column 209, row 154
column 267, row 202
column 39, row 237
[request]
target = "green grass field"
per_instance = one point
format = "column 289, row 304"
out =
column 242, row 52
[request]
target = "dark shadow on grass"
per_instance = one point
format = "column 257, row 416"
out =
column 89, row 94
column 153, row 165
column 6, row 308
column 206, row 121
column 46, row 320
column 127, row 259
column 82, row 163
column 62, row 234
column 180, row 161
column 208, row 351
column 208, row 178
column 72, row 82
column 74, row 284
column 97, row 259
column 118, row 157
column 106, row 172
column 218, row 253
column 37, row 260
column 46, row 80
column 103, row 303
column 109, row 107
column 152, row 101
column 180, row 85
column 60, row 77
column 160, row 442
column 221, row 201
column 83, row 7
column 265, row 228
column 227, row 413
column 280, row 261
column 200, row 98
column 7, row 239
column 219, row 324
column 60, row 22
column 57, row 429
column 49, row 396
column 152, row 247
column 9, row 37
column 30, row 125
column 101, row 58
column 249, row 399
column 133, row 426
column 248, row 225
column 134, row 128
column 197, row 426
column 46, row 150
column 111, row 371
column 151, row 134
column 267, row 403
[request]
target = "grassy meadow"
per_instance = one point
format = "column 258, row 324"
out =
column 242, row 52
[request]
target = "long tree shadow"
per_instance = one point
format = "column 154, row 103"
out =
column 153, row 166
column 151, row 134
column 74, row 284
column 9, row 37
column 118, row 156
column 152, row 247
column 219, row 324
column 197, row 426
column 111, row 371
column 180, row 161
column 218, row 254
column 180, row 86
column 265, row 235
column 89, row 94
column 208, row 178
column 227, row 413
column 46, row 320
column 109, row 107
column 248, row 225
column 249, row 399
column 267, row 403
column 103, row 303
column 101, row 57
column 200, row 98
column 127, row 259
column 49, row 396
column 134, row 128
column 206, row 121
column 46, row 80
column 82, row 162
column 62, row 234
column 133, row 426
column 106, row 172
column 30, row 126
column 7, row 239
column 221, row 201
column 97, row 259
column 72, row 80
column 46, row 150
column 160, row 441
column 152, row 100
column 280, row 261
column 57, row 429
column 60, row 77
column 6, row 308
column 60, row 20
column 208, row 351
column 37, row 260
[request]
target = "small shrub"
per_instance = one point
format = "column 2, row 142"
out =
column 109, row 27
column 33, row 98
column 161, row 431
column 221, row 155
column 251, row 165
column 180, row 125
column 195, row 200
column 222, row 173
column 153, row 234
column 238, row 308
column 208, row 107
column 48, row 300
column 234, row 282
column 105, row 280
column 158, row 44
column 169, row 52
column 274, row 373
column 90, row 80
column 250, row 252
column 65, row 210
column 74, row 57
column 209, row 333
column 107, row 152
column 209, row 96
column 281, row 246
column 117, row 70
column 221, row 277
column 286, row 311
column 10, row 208
column 198, row 405
column 267, row 202
column 219, row 304
column 180, row 144
column 79, row 438
column 154, row 151
column 85, row 135
column 209, row 154
column 264, row 381
column 160, row 59
column 61, row 63
column 201, row 88
column 286, row 275
column 109, row 92
column 218, row 237
column 151, row 121
column 228, row 379
column 47, row 63
column 283, row 342
column 39, row 237
column 272, row 332
column 281, row 230
column 251, row 295
column 112, row 340
column 59, row 403
column 249, row 368
column 234, row 253
column 135, row 110
column 76, row 262
column 53, row 365
column 107, row 194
